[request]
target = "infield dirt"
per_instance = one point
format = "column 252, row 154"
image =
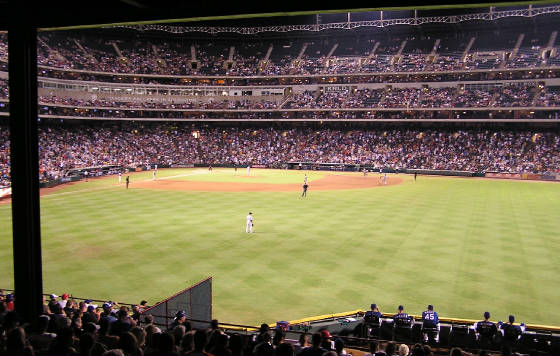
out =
column 329, row 182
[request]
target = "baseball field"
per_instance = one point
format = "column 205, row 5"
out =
column 464, row 245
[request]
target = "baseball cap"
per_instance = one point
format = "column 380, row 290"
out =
column 180, row 314
column 401, row 307
column 9, row 297
column 511, row 318
column 486, row 315
column 430, row 307
column 91, row 307
column 326, row 334
column 65, row 296
column 107, row 305
column 54, row 296
column 87, row 301
column 373, row 306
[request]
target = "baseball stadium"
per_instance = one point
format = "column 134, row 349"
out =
column 319, row 183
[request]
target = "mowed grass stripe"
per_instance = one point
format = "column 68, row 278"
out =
column 464, row 245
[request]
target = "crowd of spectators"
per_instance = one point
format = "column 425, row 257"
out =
column 142, row 56
column 518, row 96
column 3, row 47
column 69, row 326
column 4, row 158
column 275, row 78
column 169, row 105
column 4, row 89
column 502, row 96
column 428, row 97
column 73, row 327
column 549, row 97
column 131, row 145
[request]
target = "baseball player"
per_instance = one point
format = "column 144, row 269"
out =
column 248, row 169
column 120, row 177
column 305, row 179
column 154, row 174
column 127, row 181
column 249, row 226
column 430, row 324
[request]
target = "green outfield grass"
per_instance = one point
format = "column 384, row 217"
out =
column 464, row 245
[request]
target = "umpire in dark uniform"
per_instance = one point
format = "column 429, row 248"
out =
column 304, row 193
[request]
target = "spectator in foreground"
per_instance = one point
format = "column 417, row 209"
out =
column 264, row 347
column 284, row 349
column 315, row 349
column 403, row 350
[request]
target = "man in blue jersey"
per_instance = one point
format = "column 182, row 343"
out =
column 402, row 323
column 512, row 333
column 485, row 331
column 402, row 318
column 372, row 320
column 430, row 324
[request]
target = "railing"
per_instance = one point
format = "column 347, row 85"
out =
column 415, row 21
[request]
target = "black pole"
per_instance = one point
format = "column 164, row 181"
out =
column 22, row 62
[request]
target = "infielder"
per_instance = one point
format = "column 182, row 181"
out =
column 249, row 226
column 305, row 179
column 120, row 177
column 154, row 174
column 248, row 169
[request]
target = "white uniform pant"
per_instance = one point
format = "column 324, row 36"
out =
column 249, row 228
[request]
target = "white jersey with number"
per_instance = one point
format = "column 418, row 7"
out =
column 249, row 227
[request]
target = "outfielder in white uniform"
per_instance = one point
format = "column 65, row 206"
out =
column 249, row 226
column 120, row 177
column 248, row 169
